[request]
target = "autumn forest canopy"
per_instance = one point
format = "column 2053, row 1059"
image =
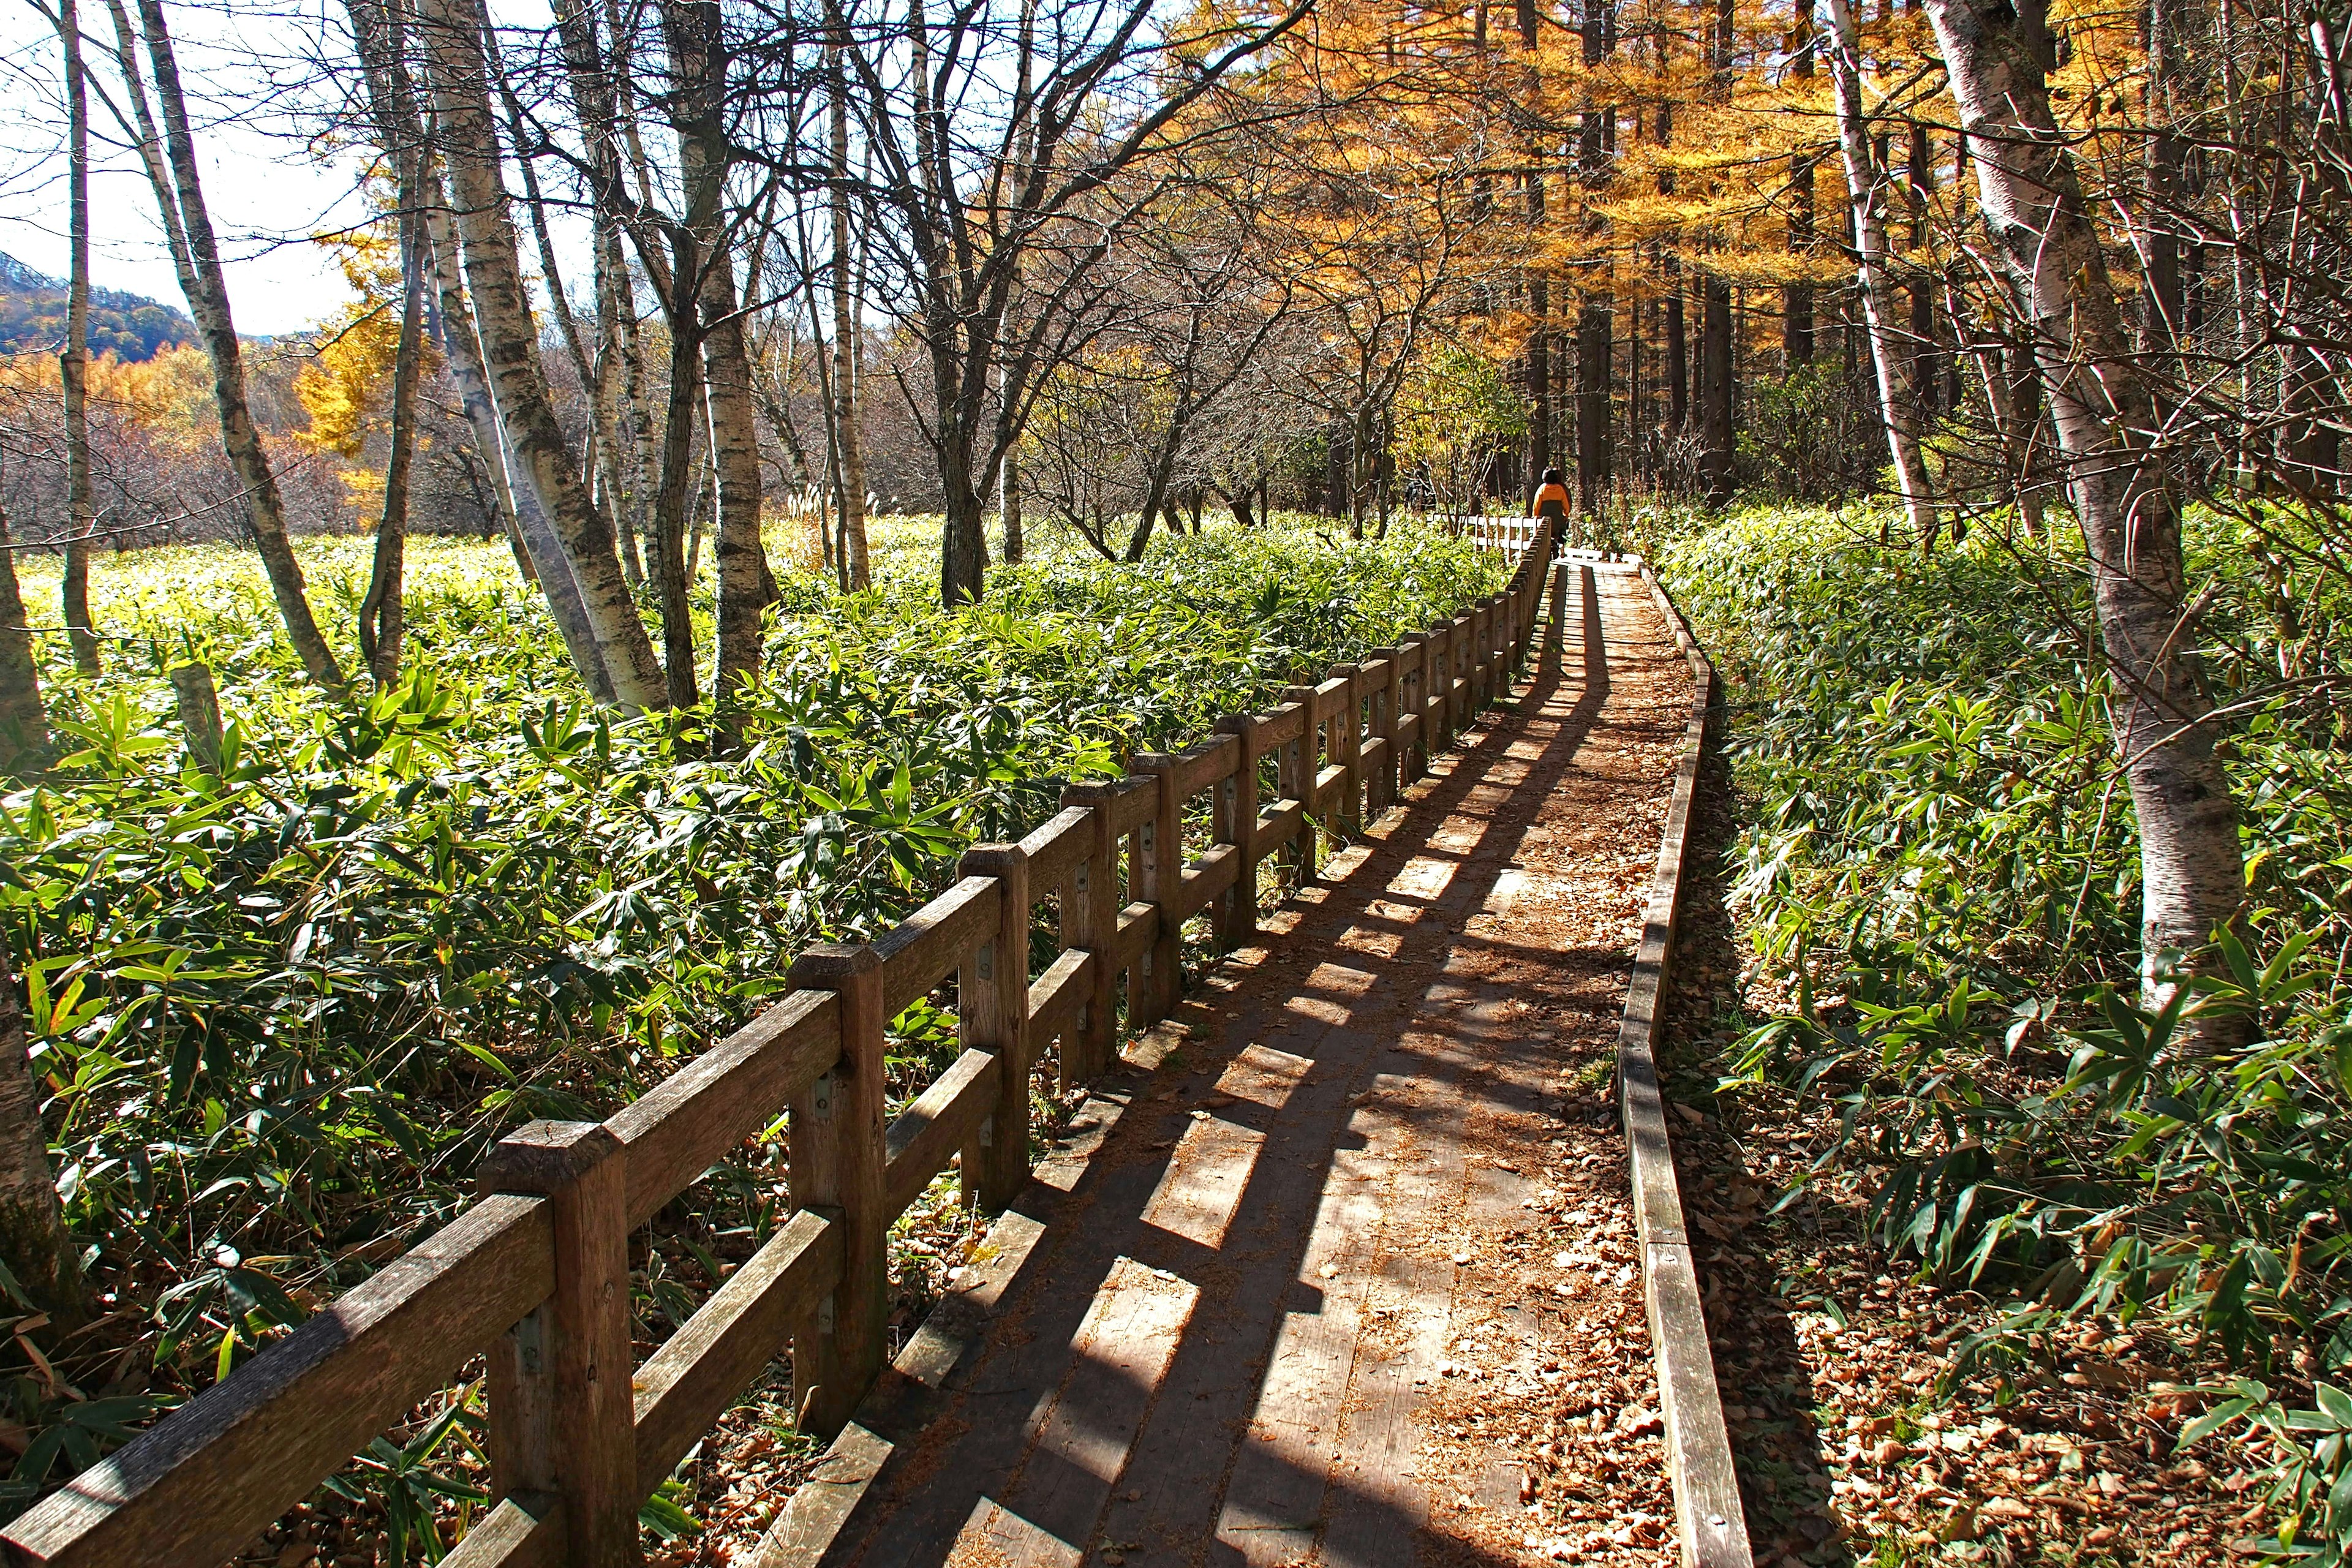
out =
column 766, row 446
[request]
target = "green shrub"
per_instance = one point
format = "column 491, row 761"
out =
column 1940, row 859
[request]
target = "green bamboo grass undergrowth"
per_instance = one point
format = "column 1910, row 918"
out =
column 1938, row 863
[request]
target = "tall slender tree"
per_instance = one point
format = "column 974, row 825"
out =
column 2029, row 192
column 170, row 159
column 73, row 362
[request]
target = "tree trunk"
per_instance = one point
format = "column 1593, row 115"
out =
column 1719, row 449
column 699, row 61
column 963, row 581
column 674, row 500
column 73, row 364
column 1677, row 351
column 533, row 537
column 382, row 47
column 24, row 722
column 510, row 351
column 183, row 209
column 1594, row 357
column 33, row 1238
column 382, row 610
column 1865, row 184
column 2191, row 873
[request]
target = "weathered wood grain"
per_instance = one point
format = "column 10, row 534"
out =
column 1055, row 847
column 199, row 1485
column 1206, row 877
column 580, row 1387
column 1698, row 1444
column 1057, row 998
column 522, row 1531
column 943, row 1119
column 688, row 1384
column 918, row 954
column 1198, row 767
column 683, row 1125
column 836, row 1147
column 1096, row 886
column 992, row 1014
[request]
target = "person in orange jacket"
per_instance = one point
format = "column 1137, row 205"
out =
column 1551, row 502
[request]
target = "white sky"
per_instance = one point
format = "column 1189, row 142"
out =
column 242, row 61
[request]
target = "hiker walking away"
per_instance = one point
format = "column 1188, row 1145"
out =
column 1551, row 502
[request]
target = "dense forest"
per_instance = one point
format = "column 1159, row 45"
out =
column 767, row 449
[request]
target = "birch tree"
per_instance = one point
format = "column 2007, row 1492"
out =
column 2029, row 192
column 168, row 157
column 469, row 141
column 1867, row 185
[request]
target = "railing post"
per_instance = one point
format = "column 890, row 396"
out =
column 1415, row 650
column 992, row 1015
column 1440, row 724
column 1473, row 666
column 1097, row 880
column 1556, row 632
column 1237, row 825
column 1348, row 756
column 562, row 1407
column 1161, row 875
column 836, row 1170
column 1381, row 786
column 1304, row 759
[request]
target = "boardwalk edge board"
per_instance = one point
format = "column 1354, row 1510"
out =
column 1707, row 1510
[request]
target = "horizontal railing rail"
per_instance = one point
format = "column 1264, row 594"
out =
column 533, row 1276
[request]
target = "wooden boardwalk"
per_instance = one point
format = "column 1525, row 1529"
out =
column 1358, row 1199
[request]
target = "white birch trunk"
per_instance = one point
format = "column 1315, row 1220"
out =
column 510, row 351
column 2192, row 875
column 1865, row 184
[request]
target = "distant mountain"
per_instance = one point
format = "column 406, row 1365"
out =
column 129, row 326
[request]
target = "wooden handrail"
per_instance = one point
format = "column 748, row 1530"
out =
column 534, row 1272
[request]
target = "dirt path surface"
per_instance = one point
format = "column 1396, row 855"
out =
column 1346, row 1275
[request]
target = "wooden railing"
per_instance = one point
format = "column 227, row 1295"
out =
column 533, row 1275
column 1509, row 534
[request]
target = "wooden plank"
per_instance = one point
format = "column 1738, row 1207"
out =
column 1285, row 723
column 1096, row 885
column 1079, row 1443
column 1277, row 825
column 1162, row 870
column 1236, row 817
column 199, row 1485
column 1206, row 877
column 1348, row 755
column 1274, row 1496
column 688, row 1384
column 1057, row 998
column 1060, row 844
column 822, row 1504
column 1707, row 1507
column 1374, row 672
column 942, row 1119
column 1205, row 765
column 689, row 1122
column 1139, row 928
column 1133, row 800
column 1332, row 694
column 920, row 953
column 522, row 1531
